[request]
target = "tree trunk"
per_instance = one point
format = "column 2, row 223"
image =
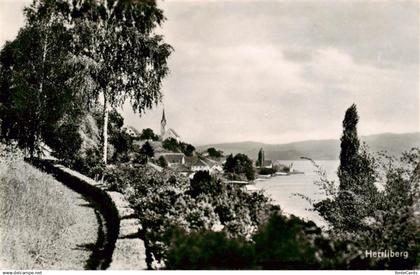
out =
column 35, row 139
column 105, row 133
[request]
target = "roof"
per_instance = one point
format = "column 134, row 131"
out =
column 173, row 132
column 180, row 168
column 200, row 162
column 211, row 163
column 132, row 129
column 172, row 157
column 156, row 145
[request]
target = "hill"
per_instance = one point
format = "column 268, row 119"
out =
column 328, row 149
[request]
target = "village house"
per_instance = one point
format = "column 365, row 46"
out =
column 172, row 159
column 131, row 131
column 199, row 165
column 181, row 169
column 215, row 167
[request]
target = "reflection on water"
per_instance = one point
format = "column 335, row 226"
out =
column 282, row 188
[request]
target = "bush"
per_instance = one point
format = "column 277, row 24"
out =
column 239, row 165
column 214, row 153
column 148, row 134
column 392, row 223
column 162, row 162
column 173, row 145
column 209, row 250
column 281, row 243
column 164, row 200
column 287, row 243
column 267, row 171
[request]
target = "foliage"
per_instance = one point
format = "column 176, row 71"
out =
column 65, row 141
column 209, row 250
column 187, row 149
column 214, row 153
column 260, row 158
column 373, row 220
column 356, row 196
column 201, row 184
column 119, row 55
column 123, row 144
column 267, row 171
column 286, row 243
column 37, row 87
column 90, row 164
column 239, row 164
column 280, row 243
column 162, row 162
column 147, row 150
column 173, row 145
column 148, row 134
column 165, row 200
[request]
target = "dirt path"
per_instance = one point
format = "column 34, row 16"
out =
column 74, row 248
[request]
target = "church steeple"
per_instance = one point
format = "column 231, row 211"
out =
column 163, row 125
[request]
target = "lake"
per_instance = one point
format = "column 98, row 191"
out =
column 282, row 188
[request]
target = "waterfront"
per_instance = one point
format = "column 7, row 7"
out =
column 282, row 189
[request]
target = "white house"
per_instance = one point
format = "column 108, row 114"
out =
column 214, row 166
column 133, row 132
column 200, row 165
column 172, row 159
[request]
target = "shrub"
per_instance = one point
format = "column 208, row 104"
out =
column 162, row 162
column 214, row 153
column 286, row 243
column 209, row 250
column 267, row 171
column 239, row 164
column 165, row 200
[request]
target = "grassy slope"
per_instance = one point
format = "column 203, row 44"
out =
column 43, row 225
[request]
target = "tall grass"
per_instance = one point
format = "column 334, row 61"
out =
column 34, row 214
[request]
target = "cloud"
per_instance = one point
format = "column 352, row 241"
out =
column 279, row 71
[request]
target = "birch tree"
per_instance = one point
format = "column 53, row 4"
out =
column 130, row 59
column 34, row 92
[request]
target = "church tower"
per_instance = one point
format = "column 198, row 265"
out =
column 162, row 125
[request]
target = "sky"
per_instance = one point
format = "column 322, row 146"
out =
column 280, row 71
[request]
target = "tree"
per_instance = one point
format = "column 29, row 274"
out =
column 37, row 91
column 214, row 153
column 120, row 55
column 171, row 144
column 201, row 184
column 147, row 150
column 148, row 134
column 356, row 198
column 209, row 250
column 187, row 149
column 260, row 158
column 239, row 164
column 162, row 162
column 131, row 60
column 286, row 243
